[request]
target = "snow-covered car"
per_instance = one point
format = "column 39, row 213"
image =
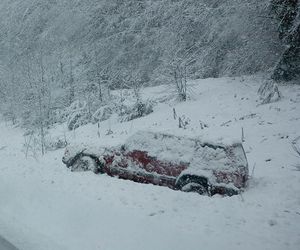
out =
column 178, row 162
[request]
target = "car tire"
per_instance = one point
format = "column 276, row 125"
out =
column 85, row 163
column 193, row 183
column 224, row 191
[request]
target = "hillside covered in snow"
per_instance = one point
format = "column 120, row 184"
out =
column 45, row 206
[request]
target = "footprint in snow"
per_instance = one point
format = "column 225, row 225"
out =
column 155, row 213
column 272, row 222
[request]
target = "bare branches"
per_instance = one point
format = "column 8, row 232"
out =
column 180, row 78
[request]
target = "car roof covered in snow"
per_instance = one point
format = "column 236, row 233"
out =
column 184, row 149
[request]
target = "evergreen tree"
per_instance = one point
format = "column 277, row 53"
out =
column 287, row 12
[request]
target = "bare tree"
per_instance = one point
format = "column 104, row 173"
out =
column 71, row 83
column 180, row 78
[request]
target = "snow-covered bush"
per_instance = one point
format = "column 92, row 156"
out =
column 183, row 121
column 102, row 114
column 78, row 115
column 269, row 92
column 56, row 143
column 76, row 120
column 138, row 110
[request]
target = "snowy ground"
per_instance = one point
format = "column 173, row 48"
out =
column 5, row 245
column 43, row 206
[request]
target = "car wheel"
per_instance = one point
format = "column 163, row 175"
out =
column 193, row 183
column 85, row 163
column 224, row 191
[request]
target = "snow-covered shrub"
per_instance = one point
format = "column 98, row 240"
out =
column 77, row 105
column 78, row 115
column 183, row 121
column 77, row 119
column 57, row 143
column 269, row 92
column 102, row 114
column 138, row 110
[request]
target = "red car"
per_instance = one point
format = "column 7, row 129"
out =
column 180, row 163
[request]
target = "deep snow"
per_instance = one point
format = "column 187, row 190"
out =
column 5, row 245
column 44, row 206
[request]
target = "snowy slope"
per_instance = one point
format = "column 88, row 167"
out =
column 43, row 206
